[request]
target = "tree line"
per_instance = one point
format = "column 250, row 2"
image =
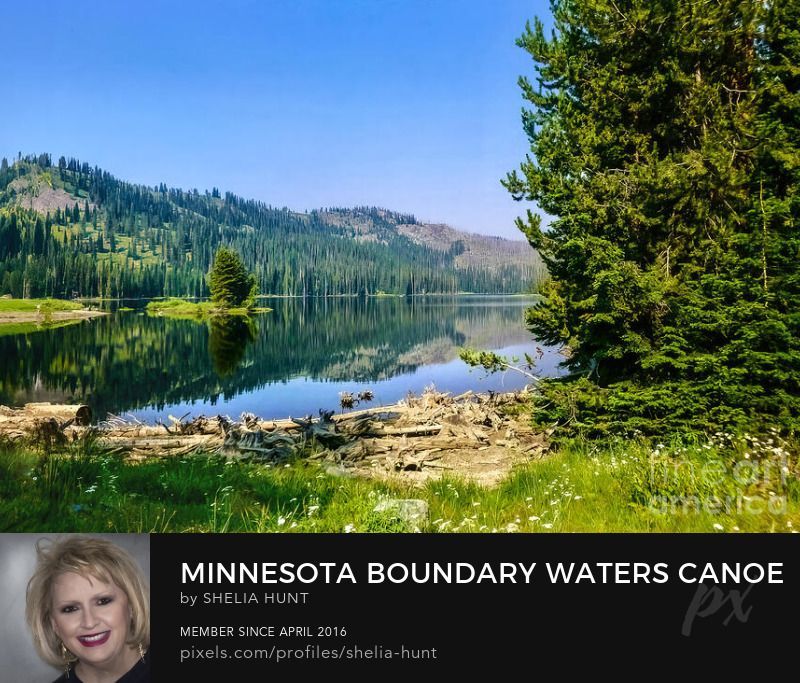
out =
column 118, row 239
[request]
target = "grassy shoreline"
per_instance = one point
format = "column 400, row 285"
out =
column 30, row 314
column 35, row 305
column 689, row 485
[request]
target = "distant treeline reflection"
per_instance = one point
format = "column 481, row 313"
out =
column 130, row 360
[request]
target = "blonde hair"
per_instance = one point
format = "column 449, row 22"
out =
column 88, row 557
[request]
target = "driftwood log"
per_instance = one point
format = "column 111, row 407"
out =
column 79, row 415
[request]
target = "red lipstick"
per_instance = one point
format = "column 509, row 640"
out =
column 94, row 639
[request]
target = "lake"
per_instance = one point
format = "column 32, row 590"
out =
column 293, row 361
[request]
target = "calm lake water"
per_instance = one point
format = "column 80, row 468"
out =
column 293, row 361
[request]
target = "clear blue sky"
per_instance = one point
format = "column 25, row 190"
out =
column 411, row 105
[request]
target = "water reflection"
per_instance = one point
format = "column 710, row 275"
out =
column 228, row 339
column 130, row 361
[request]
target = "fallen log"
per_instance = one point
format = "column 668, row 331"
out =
column 393, row 411
column 81, row 415
column 416, row 430
column 155, row 443
column 446, row 443
column 271, row 425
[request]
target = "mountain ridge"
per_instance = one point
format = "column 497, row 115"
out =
column 73, row 229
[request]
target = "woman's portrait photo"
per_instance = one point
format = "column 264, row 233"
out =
column 87, row 607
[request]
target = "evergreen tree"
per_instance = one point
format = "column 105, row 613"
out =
column 229, row 282
column 38, row 237
column 664, row 139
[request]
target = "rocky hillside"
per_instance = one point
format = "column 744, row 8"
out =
column 468, row 250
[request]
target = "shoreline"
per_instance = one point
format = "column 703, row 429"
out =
column 45, row 318
column 475, row 436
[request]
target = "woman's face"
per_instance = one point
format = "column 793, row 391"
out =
column 92, row 618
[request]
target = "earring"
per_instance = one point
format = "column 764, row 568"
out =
column 66, row 660
column 141, row 652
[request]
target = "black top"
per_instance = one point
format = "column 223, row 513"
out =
column 140, row 673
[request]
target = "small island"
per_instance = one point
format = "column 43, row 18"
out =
column 233, row 292
column 183, row 308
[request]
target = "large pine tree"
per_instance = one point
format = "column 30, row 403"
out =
column 665, row 142
column 229, row 282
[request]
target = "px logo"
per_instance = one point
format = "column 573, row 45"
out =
column 710, row 600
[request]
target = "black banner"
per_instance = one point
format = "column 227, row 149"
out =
column 233, row 606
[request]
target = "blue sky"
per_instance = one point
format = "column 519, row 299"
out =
column 411, row 105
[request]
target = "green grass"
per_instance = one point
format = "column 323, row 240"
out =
column 687, row 486
column 723, row 484
column 122, row 249
column 32, row 305
column 181, row 308
column 82, row 491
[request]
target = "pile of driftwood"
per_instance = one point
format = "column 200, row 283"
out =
column 474, row 435
column 44, row 421
column 440, row 432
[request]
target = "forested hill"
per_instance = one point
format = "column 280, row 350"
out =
column 69, row 229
